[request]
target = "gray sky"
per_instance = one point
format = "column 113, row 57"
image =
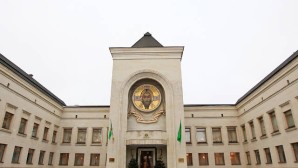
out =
column 230, row 45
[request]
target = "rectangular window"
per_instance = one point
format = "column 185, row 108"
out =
column 30, row 156
column 201, row 135
column 51, row 156
column 235, row 158
column 34, row 130
column 216, row 132
column 244, row 133
column 79, row 159
column 94, row 159
column 189, row 159
column 203, row 159
column 2, row 150
column 7, row 120
column 262, row 126
column 64, row 159
column 81, row 138
column 295, row 150
column 219, row 158
column 252, row 128
column 258, row 158
column 54, row 136
column 45, row 133
column 22, row 126
column 96, row 135
column 248, row 159
column 273, row 122
column 67, row 135
column 232, row 134
column 268, row 156
column 16, row 154
column 289, row 119
column 281, row 154
column 41, row 157
column 187, row 136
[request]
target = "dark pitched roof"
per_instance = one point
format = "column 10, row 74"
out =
column 147, row 41
column 275, row 71
column 11, row 66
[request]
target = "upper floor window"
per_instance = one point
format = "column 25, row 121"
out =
column 252, row 128
column 16, row 154
column 258, row 158
column 45, row 133
column 41, row 157
column 248, row 158
column 244, row 133
column 30, row 156
column 273, row 121
column 262, row 126
column 232, row 134
column 281, row 154
column 34, row 130
column 268, row 156
column 201, row 135
column 22, row 126
column 54, row 136
column 51, row 156
column 7, row 120
column 81, row 139
column 216, row 132
column 289, row 119
column 295, row 150
column 2, row 150
column 67, row 135
column 187, row 135
column 96, row 135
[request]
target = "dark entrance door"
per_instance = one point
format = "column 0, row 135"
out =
column 146, row 159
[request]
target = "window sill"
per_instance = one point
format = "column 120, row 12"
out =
column 281, row 162
column 275, row 133
column 16, row 163
column 269, row 163
column 35, row 138
column 22, row 135
column 233, row 143
column 291, row 129
column 253, row 140
column 263, row 136
column 258, row 163
column 80, row 144
column 218, row 143
column 45, row 141
column 65, row 144
column 29, row 163
column 202, row 143
column 54, row 143
column 5, row 130
column 245, row 142
column 96, row 144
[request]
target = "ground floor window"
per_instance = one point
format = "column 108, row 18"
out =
column 2, row 150
column 295, row 149
column 203, row 159
column 41, row 157
column 268, row 156
column 51, row 156
column 189, row 159
column 258, row 158
column 16, row 154
column 64, row 159
column 30, row 156
column 79, row 159
column 248, row 158
column 219, row 158
column 94, row 159
column 281, row 154
column 235, row 158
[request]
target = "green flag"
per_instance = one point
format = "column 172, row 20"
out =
column 110, row 131
column 179, row 137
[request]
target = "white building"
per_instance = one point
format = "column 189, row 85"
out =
column 40, row 130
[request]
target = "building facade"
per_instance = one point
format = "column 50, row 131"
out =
column 146, row 117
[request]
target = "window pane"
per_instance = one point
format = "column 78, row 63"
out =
column 248, row 157
column 96, row 135
column 64, row 158
column 201, row 135
column 35, row 129
column 258, row 158
column 274, row 122
column 189, row 159
column 203, row 159
column 244, row 133
column 216, row 135
column 16, row 154
column 45, row 133
column 79, row 159
column 235, row 158
column 281, row 154
column 2, row 150
column 51, row 156
column 262, row 126
column 232, row 135
column 268, row 155
column 30, row 156
column 67, row 135
column 187, row 135
column 7, row 120
column 54, row 136
column 252, row 128
column 41, row 157
column 22, row 126
column 81, row 135
column 219, row 158
column 94, row 160
column 289, row 118
column 295, row 150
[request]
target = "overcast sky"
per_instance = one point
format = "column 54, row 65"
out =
column 230, row 45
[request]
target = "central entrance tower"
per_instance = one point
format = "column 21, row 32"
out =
column 146, row 105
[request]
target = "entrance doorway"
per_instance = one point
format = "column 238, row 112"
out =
column 146, row 157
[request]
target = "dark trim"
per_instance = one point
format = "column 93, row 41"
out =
column 204, row 105
column 275, row 71
column 14, row 68
column 88, row 106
